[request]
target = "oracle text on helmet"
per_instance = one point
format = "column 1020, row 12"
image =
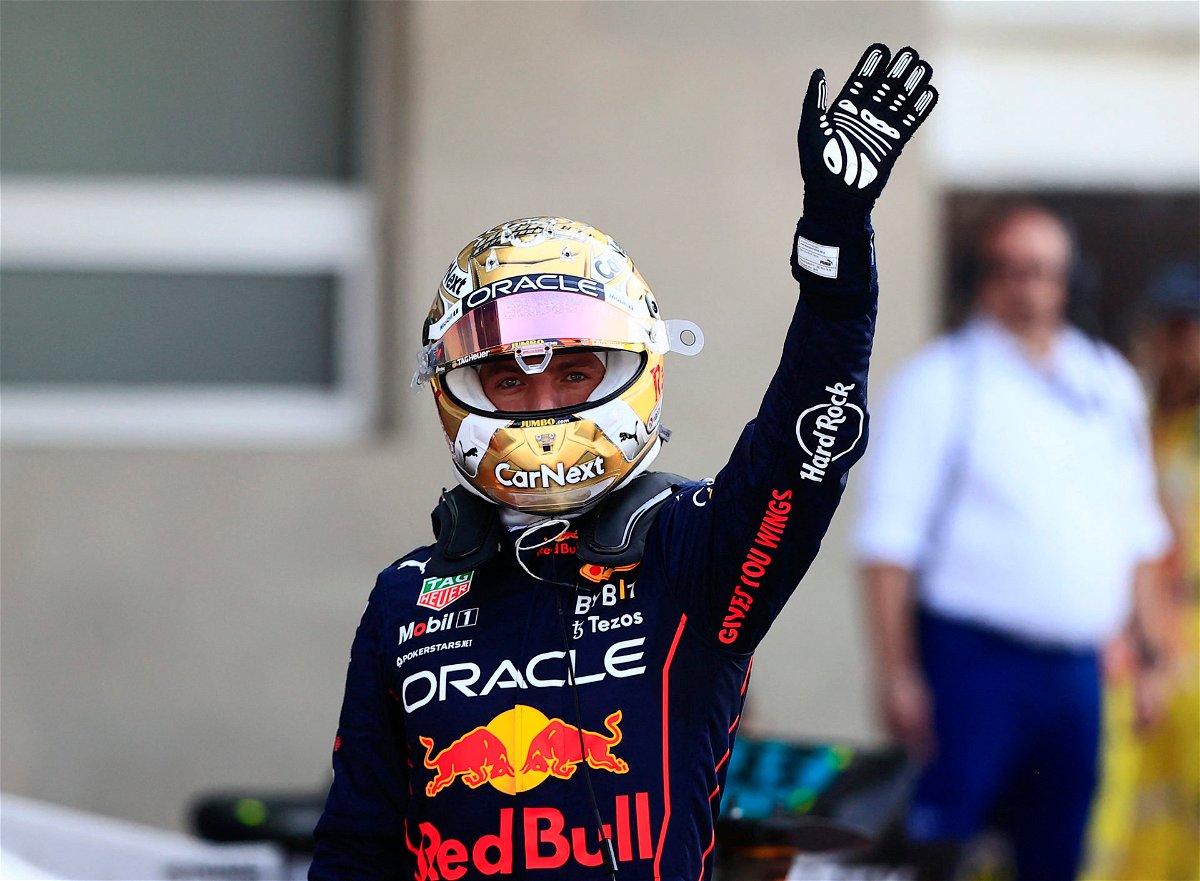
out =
column 571, row 284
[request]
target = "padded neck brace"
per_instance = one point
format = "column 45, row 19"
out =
column 470, row 533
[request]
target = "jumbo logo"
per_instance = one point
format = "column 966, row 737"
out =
column 521, row 748
column 829, row 431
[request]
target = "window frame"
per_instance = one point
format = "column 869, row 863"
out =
column 199, row 225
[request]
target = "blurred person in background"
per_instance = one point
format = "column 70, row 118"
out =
column 1147, row 817
column 552, row 689
column 1008, row 525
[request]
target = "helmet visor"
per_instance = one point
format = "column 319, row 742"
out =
column 550, row 317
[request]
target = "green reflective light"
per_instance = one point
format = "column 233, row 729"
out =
column 250, row 812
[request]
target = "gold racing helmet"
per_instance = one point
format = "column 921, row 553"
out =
column 525, row 290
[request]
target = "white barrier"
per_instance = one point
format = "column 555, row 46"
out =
column 45, row 842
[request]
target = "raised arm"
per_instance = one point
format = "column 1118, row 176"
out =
column 772, row 503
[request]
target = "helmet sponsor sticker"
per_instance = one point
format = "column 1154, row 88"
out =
column 829, row 431
column 543, row 422
column 457, row 282
column 545, row 477
column 437, row 593
column 546, row 281
column 504, row 287
column 452, row 314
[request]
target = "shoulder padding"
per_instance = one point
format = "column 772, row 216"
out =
column 614, row 534
column 469, row 531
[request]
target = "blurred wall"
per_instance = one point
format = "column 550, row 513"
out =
column 176, row 619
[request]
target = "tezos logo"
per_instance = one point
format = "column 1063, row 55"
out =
column 437, row 593
column 829, row 431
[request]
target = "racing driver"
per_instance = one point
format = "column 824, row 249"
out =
column 551, row 689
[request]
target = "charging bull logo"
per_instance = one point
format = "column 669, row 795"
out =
column 560, row 747
column 477, row 757
column 551, row 748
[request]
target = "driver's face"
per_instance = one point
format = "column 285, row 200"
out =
column 568, row 380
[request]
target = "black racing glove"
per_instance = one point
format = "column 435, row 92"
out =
column 847, row 153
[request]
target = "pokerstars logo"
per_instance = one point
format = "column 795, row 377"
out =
column 829, row 431
column 546, row 476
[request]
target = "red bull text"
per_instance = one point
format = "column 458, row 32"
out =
column 547, row 843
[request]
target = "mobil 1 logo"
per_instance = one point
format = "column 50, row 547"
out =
column 438, row 624
column 828, row 431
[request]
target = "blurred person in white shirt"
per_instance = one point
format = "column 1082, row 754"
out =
column 1008, row 522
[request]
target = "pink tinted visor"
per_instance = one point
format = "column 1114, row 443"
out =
column 536, row 316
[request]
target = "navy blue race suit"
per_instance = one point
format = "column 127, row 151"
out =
column 460, row 752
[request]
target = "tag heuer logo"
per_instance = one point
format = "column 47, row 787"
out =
column 437, row 593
